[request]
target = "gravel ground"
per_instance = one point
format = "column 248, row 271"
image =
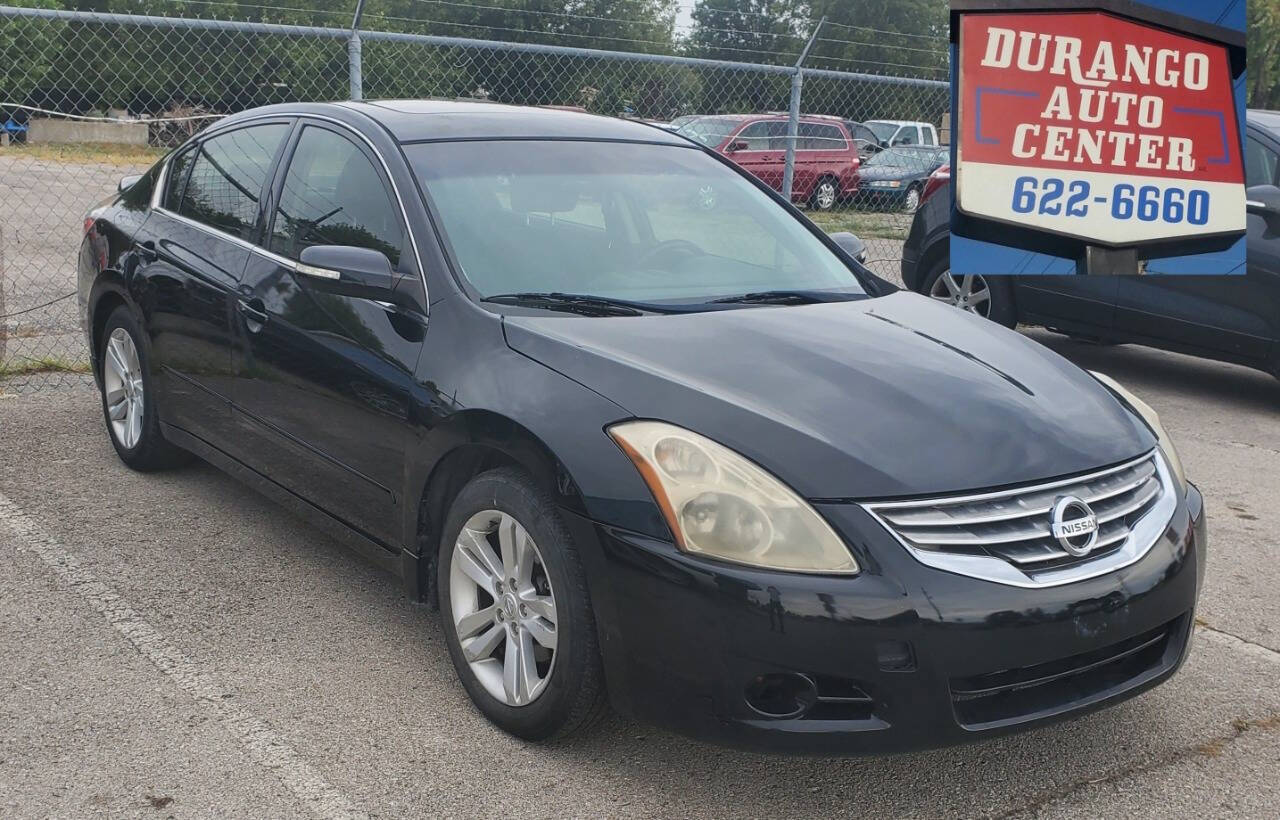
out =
column 40, row 230
column 176, row 645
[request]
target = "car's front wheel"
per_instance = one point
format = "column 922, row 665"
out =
column 516, row 611
column 987, row 296
column 911, row 200
column 128, row 400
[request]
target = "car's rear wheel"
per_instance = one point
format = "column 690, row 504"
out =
column 128, row 401
column 516, row 611
column 987, row 296
column 825, row 194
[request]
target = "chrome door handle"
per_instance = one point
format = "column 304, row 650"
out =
column 254, row 312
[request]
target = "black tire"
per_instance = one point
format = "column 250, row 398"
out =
column 1001, row 310
column 151, row 451
column 817, row 198
column 574, row 697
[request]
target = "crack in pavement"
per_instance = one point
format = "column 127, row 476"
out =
column 1208, row 749
column 1233, row 641
column 266, row 748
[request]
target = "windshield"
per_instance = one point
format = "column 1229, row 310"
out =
column 861, row 133
column 905, row 159
column 882, row 130
column 710, row 131
column 645, row 223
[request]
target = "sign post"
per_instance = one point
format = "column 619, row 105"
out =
column 1095, row 136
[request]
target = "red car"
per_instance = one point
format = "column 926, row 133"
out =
column 826, row 154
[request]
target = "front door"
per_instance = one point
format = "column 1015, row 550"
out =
column 323, row 382
column 196, row 246
column 764, row 154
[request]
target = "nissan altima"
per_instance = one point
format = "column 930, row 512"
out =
column 644, row 434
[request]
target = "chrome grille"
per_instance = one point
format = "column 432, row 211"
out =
column 1006, row 536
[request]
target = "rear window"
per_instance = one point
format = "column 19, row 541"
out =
column 227, row 176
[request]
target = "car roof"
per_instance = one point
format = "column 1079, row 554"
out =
column 901, row 122
column 427, row 120
column 772, row 115
column 1270, row 120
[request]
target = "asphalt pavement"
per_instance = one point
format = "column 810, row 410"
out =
column 176, row 645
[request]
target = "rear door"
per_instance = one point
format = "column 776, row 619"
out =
column 322, row 381
column 196, row 242
column 828, row 154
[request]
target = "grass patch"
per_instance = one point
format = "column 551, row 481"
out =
column 866, row 224
column 86, row 153
column 26, row 366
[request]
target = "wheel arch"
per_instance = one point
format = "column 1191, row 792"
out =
column 109, row 293
column 475, row 441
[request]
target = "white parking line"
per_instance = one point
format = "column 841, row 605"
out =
column 254, row 735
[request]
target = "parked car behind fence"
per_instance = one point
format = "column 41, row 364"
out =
column 826, row 162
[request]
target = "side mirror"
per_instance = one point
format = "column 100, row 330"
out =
column 350, row 271
column 738, row 145
column 1263, row 200
column 128, row 182
column 852, row 245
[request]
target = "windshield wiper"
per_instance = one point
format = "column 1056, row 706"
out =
column 787, row 297
column 579, row 303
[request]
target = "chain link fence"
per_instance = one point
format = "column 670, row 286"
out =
column 86, row 98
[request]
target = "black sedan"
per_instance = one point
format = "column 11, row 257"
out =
column 895, row 177
column 1229, row 318
column 589, row 389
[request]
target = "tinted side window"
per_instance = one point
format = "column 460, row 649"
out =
column 830, row 138
column 227, row 178
column 333, row 195
column 176, row 178
column 1259, row 163
column 908, row 136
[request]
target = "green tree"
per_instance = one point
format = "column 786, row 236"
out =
column 747, row 30
column 1263, row 55
column 899, row 37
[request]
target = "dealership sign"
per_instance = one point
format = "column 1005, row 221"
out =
column 1087, row 125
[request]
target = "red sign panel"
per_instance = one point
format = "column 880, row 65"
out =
column 1090, row 125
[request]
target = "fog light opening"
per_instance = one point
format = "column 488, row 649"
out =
column 781, row 694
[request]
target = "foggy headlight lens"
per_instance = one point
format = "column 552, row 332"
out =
column 718, row 503
column 1152, row 419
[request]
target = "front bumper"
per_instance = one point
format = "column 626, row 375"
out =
column 911, row 657
column 880, row 197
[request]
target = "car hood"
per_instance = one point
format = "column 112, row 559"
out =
column 890, row 172
column 886, row 397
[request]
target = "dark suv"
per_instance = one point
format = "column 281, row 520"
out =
column 1229, row 318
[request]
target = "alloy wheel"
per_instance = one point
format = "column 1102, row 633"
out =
column 503, row 607
column 971, row 293
column 825, row 196
column 122, row 385
column 911, row 201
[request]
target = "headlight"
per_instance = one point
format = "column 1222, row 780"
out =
column 894, row 183
column 719, row 504
column 1152, row 420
